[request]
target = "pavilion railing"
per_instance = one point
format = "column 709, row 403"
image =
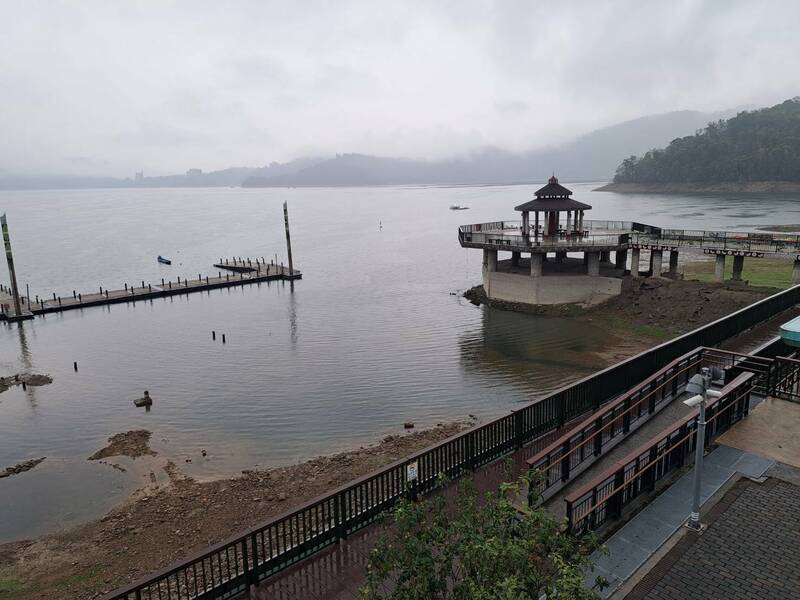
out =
column 606, row 497
column 226, row 569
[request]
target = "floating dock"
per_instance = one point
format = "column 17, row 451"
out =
column 239, row 272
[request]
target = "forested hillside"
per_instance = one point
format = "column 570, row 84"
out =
column 760, row 145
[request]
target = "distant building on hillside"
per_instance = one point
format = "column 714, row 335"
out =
column 194, row 172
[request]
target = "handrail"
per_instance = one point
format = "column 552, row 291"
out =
column 608, row 493
column 563, row 459
column 252, row 556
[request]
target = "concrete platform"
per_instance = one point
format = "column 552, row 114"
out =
column 772, row 429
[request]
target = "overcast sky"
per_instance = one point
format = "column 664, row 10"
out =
column 110, row 87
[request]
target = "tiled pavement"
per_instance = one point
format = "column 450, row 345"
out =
column 750, row 551
column 631, row 546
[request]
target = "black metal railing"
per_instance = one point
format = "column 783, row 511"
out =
column 226, row 569
column 722, row 240
column 606, row 496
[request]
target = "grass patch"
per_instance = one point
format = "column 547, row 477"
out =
column 79, row 579
column 9, row 586
column 620, row 326
column 760, row 272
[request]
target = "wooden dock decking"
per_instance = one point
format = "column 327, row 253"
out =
column 241, row 272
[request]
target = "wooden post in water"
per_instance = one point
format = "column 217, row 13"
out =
column 12, row 274
column 288, row 238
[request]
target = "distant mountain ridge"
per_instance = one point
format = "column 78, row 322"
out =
column 751, row 148
column 591, row 157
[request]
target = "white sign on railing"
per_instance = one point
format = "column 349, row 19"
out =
column 412, row 471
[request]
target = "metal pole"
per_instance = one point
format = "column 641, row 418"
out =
column 11, row 273
column 288, row 239
column 694, row 519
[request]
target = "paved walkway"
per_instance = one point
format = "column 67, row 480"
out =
column 750, row 551
column 631, row 546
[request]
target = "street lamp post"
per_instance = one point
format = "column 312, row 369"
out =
column 700, row 385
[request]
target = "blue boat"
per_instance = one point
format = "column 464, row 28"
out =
column 164, row 261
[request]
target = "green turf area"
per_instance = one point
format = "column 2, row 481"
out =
column 760, row 272
column 9, row 587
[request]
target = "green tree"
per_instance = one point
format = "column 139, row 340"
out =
column 478, row 548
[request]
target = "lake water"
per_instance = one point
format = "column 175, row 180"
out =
column 372, row 336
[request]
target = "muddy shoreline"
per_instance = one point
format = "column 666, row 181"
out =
column 159, row 524
column 649, row 310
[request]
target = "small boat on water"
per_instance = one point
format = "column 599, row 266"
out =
column 164, row 261
column 459, row 207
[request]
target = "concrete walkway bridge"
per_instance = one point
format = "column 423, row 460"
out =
column 597, row 239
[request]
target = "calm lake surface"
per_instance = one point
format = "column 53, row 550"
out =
column 373, row 335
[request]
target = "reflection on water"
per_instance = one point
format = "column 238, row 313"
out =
column 370, row 338
column 535, row 354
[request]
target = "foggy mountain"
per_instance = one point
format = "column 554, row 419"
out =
column 591, row 157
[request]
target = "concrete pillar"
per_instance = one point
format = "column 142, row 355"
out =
column 593, row 268
column 536, row 265
column 515, row 259
column 490, row 260
column 796, row 272
column 560, row 256
column 585, row 258
column 605, row 256
column 635, row 262
column 656, row 258
column 738, row 265
column 673, row 262
column 621, row 259
column 719, row 268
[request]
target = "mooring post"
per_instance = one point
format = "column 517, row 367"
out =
column 223, row 338
column 74, row 294
column 28, row 295
column 54, row 296
column 10, row 259
column 213, row 334
column 75, row 366
column 288, row 238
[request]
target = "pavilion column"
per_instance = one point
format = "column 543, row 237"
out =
column 621, row 259
column 635, row 252
column 580, row 224
column 738, row 266
column 536, row 223
column 605, row 256
column 569, row 221
column 593, row 266
column 536, row 264
column 719, row 268
column 673, row 262
column 525, row 222
column 796, row 272
column 560, row 256
column 515, row 259
column 656, row 258
column 490, row 260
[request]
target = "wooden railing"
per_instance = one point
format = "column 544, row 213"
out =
column 584, row 444
column 606, row 496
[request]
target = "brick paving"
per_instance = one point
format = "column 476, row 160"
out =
column 750, row 551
